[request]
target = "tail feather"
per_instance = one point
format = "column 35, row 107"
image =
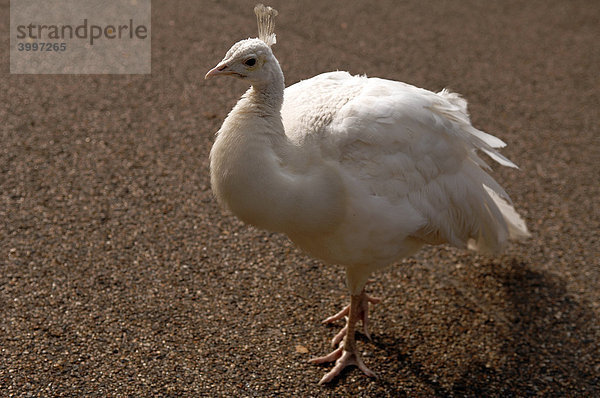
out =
column 517, row 229
column 498, row 219
column 454, row 108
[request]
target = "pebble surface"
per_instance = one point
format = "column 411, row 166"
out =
column 120, row 276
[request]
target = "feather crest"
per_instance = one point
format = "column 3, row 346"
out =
column 265, row 17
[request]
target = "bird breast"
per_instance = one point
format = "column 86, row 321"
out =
column 271, row 183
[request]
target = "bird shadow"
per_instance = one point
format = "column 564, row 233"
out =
column 544, row 340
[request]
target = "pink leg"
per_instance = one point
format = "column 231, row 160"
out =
column 347, row 354
column 363, row 311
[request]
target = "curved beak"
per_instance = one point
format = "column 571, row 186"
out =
column 221, row 69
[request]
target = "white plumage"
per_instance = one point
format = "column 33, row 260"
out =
column 356, row 171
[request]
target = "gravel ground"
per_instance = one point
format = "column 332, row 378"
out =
column 120, row 276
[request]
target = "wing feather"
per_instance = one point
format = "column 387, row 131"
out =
column 413, row 148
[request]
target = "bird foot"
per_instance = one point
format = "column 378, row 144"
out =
column 346, row 354
column 342, row 359
column 363, row 314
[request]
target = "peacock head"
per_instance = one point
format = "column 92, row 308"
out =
column 252, row 59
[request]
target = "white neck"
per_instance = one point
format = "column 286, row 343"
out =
column 268, row 96
column 266, row 180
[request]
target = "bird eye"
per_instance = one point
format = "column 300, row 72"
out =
column 250, row 62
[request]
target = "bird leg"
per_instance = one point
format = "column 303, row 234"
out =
column 346, row 354
column 363, row 311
